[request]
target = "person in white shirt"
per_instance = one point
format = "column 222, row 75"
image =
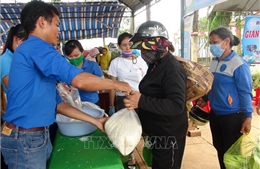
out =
column 130, row 68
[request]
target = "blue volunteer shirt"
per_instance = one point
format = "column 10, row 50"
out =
column 5, row 63
column 32, row 95
column 92, row 68
column 232, row 86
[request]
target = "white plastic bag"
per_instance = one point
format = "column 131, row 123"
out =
column 124, row 130
column 69, row 95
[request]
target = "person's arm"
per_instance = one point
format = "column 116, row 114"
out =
column 51, row 63
column 5, row 81
column 112, row 95
column 89, row 82
column 72, row 112
column 5, row 67
column 243, row 82
column 3, row 101
column 202, row 101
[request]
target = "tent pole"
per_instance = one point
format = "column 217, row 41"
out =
column 104, row 41
column 182, row 28
column 148, row 11
column 132, row 23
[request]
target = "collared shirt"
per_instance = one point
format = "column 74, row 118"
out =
column 92, row 68
column 232, row 86
column 32, row 96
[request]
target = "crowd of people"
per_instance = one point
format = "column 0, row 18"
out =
column 145, row 76
column 29, row 110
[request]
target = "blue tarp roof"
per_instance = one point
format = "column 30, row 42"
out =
column 78, row 20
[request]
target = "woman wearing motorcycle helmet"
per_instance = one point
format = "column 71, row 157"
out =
column 162, row 97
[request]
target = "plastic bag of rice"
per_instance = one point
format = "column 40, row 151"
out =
column 124, row 130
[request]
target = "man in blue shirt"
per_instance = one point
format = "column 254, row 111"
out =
column 32, row 96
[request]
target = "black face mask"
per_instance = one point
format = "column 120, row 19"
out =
column 150, row 56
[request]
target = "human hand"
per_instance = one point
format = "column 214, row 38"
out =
column 66, row 87
column 131, row 101
column 246, row 126
column 111, row 110
column 123, row 86
column 101, row 122
column 201, row 102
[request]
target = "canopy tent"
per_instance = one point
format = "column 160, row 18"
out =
column 226, row 5
column 136, row 5
column 78, row 20
column 238, row 5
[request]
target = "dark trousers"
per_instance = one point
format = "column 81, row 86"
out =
column 53, row 130
column 225, row 131
column 168, row 152
column 120, row 103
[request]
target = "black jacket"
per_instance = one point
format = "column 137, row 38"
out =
column 162, row 106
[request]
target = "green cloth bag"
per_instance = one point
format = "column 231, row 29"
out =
column 147, row 152
column 243, row 154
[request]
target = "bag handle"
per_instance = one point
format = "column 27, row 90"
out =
column 181, row 59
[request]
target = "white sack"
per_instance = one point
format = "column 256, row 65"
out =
column 124, row 130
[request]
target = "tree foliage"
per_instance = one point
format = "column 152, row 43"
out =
column 218, row 19
column 240, row 16
column 202, row 29
column 203, row 24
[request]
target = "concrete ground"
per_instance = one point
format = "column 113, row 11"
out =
column 199, row 152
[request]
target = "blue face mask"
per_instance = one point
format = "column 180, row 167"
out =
column 216, row 49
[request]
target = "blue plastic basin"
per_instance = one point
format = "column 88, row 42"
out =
column 79, row 128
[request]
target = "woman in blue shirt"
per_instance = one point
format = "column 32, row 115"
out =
column 231, row 94
column 15, row 37
column 74, row 52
